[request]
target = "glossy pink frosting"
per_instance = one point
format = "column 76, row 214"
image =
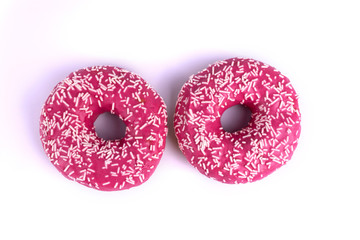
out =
column 72, row 145
column 269, row 140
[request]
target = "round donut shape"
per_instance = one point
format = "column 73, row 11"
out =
column 255, row 151
column 69, row 138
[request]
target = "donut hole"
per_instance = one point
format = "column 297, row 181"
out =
column 235, row 118
column 109, row 126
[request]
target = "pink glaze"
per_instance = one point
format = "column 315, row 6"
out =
column 70, row 141
column 255, row 151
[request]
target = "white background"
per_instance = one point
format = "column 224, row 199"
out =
column 314, row 43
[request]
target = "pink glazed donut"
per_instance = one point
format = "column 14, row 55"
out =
column 69, row 138
column 252, row 153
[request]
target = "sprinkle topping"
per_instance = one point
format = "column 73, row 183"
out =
column 253, row 152
column 69, row 138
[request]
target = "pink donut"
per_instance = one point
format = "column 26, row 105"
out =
column 69, row 138
column 253, row 152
